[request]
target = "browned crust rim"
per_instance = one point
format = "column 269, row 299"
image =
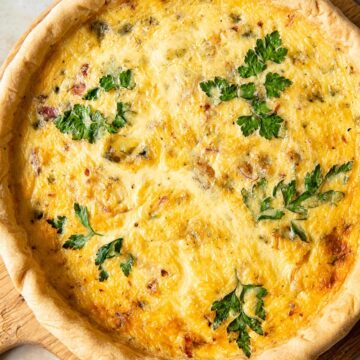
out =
column 53, row 313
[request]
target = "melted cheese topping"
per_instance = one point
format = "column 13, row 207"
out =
column 179, row 208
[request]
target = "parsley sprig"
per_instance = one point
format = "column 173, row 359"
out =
column 262, row 118
column 110, row 82
column 78, row 241
column 109, row 251
column 233, row 304
column 295, row 201
column 267, row 49
column 81, row 122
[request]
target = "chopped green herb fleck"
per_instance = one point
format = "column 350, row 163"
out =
column 127, row 265
column 58, row 223
column 92, row 94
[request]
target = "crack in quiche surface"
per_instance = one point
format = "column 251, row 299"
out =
column 169, row 178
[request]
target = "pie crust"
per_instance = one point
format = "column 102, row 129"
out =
column 73, row 329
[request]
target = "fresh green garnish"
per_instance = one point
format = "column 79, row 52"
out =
column 123, row 80
column 109, row 251
column 219, row 89
column 267, row 49
column 127, row 265
column 120, row 119
column 338, row 169
column 294, row 201
column 233, row 304
column 92, row 94
column 78, row 241
column 297, row 230
column 58, row 223
column 83, row 123
column 261, row 118
column 275, row 84
column 253, row 65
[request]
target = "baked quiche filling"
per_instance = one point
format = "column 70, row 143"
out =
column 184, row 172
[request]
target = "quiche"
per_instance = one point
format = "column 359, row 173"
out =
column 180, row 179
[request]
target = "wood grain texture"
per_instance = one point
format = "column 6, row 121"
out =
column 18, row 324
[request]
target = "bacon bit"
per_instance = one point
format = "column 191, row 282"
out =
column 247, row 170
column 206, row 106
column 188, row 345
column 87, row 172
column 78, row 89
column 153, row 286
column 235, row 28
column 277, row 107
column 48, row 112
column 121, row 319
column 260, row 24
column 66, row 147
column 51, row 195
column 291, row 18
column 163, row 199
column 343, row 138
column 164, row 273
column 84, row 69
column 292, row 309
column 209, row 149
column 294, row 156
column 35, row 161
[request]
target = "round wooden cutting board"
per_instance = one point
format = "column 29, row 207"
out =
column 18, row 324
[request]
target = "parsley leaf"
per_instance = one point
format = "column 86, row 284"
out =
column 247, row 91
column 219, row 89
column 123, row 80
column 298, row 231
column 248, row 124
column 82, row 123
column 92, row 94
column 224, row 307
column 120, row 119
column 313, row 180
column 266, row 204
column 270, row 214
column 274, row 84
column 127, row 265
column 270, row 126
column 269, row 48
column 126, row 79
column 108, row 82
column 253, row 65
column 108, row 251
column 78, row 241
column 58, row 223
column 103, row 274
column 337, row 169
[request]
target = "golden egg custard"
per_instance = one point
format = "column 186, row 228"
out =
column 187, row 176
